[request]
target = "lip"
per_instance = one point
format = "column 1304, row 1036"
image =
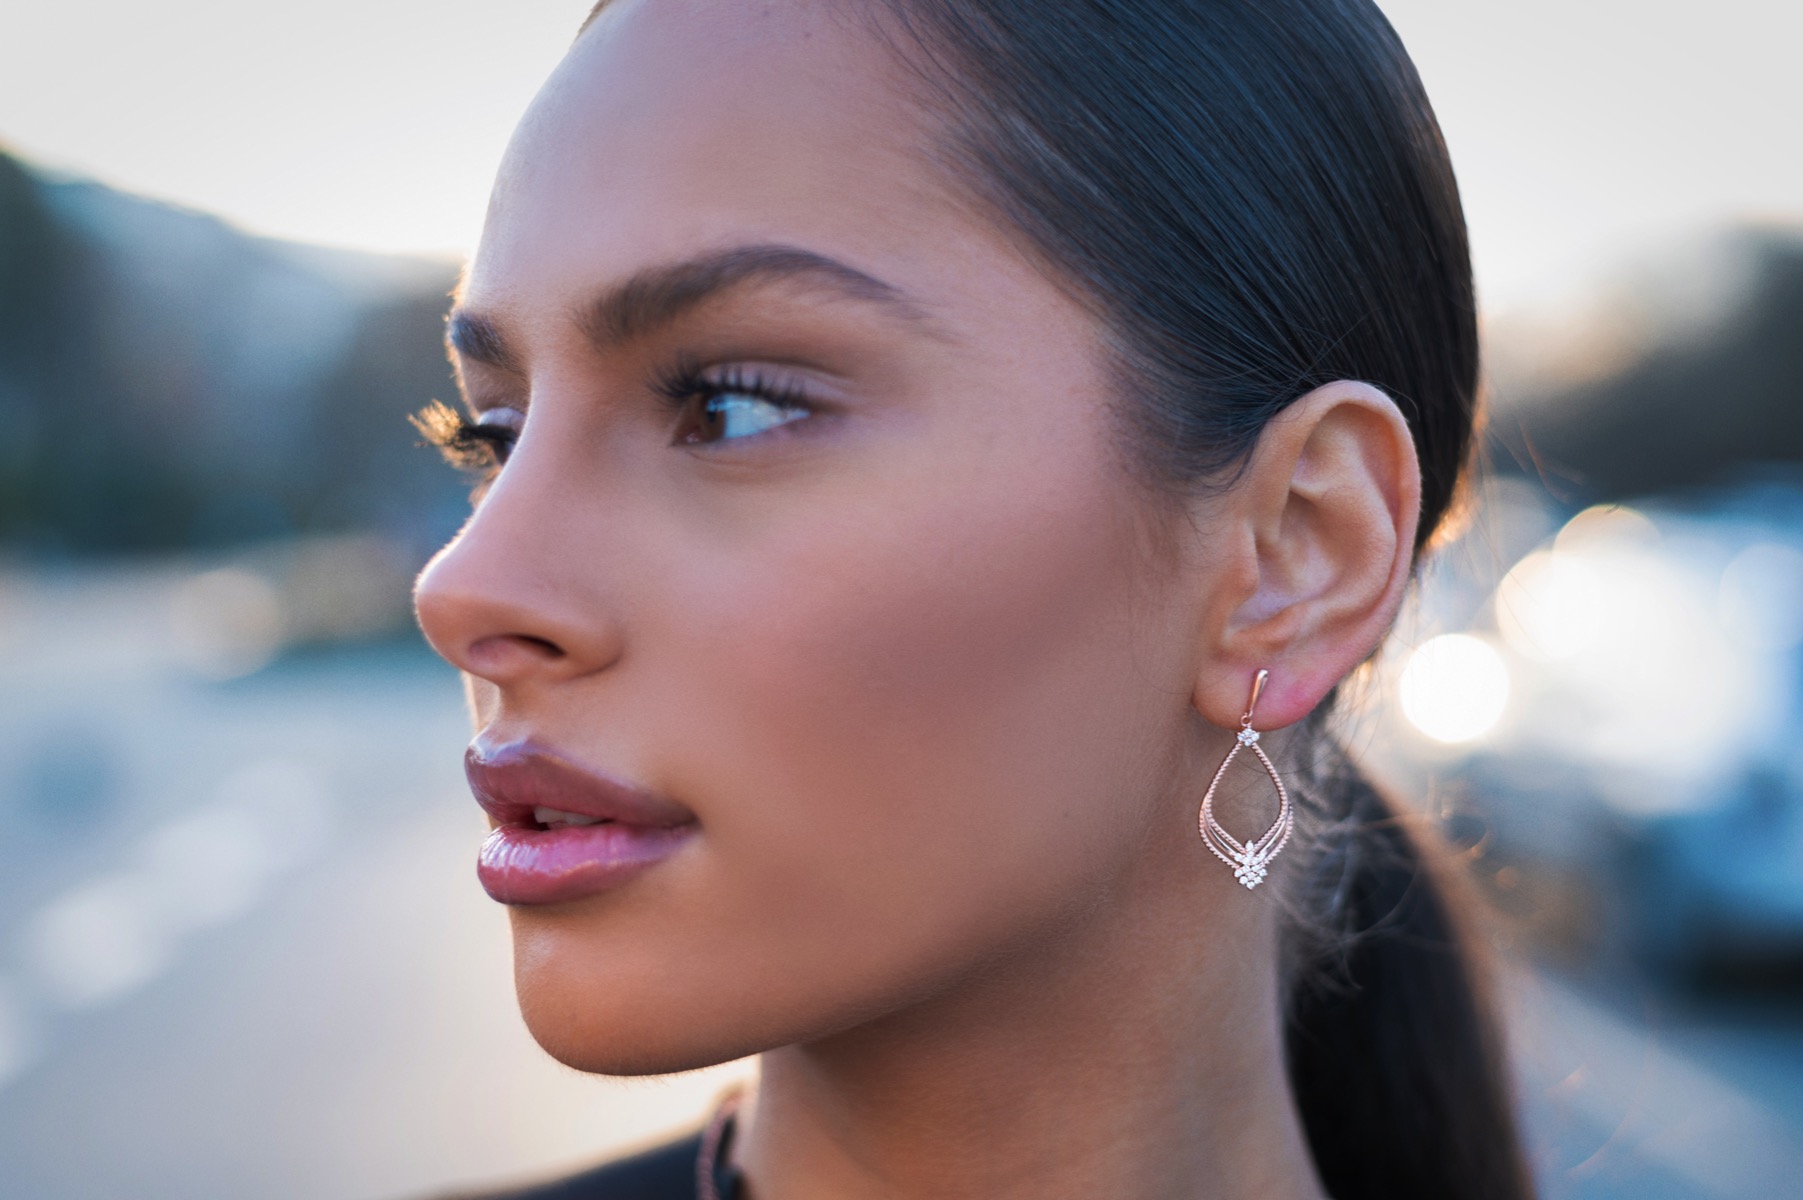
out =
column 522, row 862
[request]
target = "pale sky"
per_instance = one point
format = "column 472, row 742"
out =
column 1584, row 131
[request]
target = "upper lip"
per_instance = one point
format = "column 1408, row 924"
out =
column 512, row 780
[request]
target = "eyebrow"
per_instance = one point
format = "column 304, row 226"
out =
column 475, row 337
column 657, row 296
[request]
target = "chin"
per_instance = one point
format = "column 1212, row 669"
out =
column 625, row 1031
column 631, row 1014
column 583, row 1046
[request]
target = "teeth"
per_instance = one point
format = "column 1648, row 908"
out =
column 555, row 817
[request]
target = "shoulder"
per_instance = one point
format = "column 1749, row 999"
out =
column 664, row 1172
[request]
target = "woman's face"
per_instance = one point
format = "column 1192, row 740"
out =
column 815, row 529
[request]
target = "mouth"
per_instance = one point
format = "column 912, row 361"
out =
column 562, row 831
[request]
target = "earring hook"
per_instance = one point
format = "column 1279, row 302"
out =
column 1258, row 686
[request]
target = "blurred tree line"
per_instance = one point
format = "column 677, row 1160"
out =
column 167, row 382
column 1687, row 377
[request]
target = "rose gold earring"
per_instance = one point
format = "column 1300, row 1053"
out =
column 1249, row 859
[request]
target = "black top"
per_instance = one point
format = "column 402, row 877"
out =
column 667, row 1172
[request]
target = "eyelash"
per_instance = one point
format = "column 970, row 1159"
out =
column 687, row 388
column 465, row 444
column 483, row 448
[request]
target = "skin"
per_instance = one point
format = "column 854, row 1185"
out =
column 942, row 682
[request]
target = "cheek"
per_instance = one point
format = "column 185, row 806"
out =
column 923, row 729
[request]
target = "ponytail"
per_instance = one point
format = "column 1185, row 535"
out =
column 1392, row 1046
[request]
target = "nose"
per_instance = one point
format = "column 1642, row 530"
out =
column 508, row 602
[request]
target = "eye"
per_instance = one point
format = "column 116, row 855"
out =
column 498, row 429
column 731, row 415
column 731, row 405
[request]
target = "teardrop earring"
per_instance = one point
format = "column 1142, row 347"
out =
column 1249, row 859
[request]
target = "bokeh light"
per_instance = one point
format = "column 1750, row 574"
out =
column 1454, row 688
column 1636, row 647
column 1761, row 597
column 1607, row 525
column 1550, row 606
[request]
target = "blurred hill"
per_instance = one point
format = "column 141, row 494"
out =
column 1687, row 371
column 167, row 382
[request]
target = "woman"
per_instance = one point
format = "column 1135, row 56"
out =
column 912, row 429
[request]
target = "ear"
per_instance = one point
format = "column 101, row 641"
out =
column 1323, row 522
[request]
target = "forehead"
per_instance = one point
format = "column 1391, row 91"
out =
column 679, row 126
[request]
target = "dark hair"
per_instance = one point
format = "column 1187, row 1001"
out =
column 1255, row 199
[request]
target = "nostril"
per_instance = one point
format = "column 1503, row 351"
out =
column 500, row 657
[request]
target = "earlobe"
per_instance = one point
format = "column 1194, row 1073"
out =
column 1330, row 500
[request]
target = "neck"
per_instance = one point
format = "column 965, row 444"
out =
column 1135, row 1052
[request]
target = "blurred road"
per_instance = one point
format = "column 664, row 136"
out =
column 242, row 951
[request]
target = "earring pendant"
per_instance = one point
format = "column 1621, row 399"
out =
column 1249, row 859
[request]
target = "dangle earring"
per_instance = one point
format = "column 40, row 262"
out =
column 1249, row 859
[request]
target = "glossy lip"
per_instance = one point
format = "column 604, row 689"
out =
column 524, row 863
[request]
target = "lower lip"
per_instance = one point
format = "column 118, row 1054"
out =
column 519, row 865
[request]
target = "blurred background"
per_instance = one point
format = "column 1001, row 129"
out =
column 241, row 948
